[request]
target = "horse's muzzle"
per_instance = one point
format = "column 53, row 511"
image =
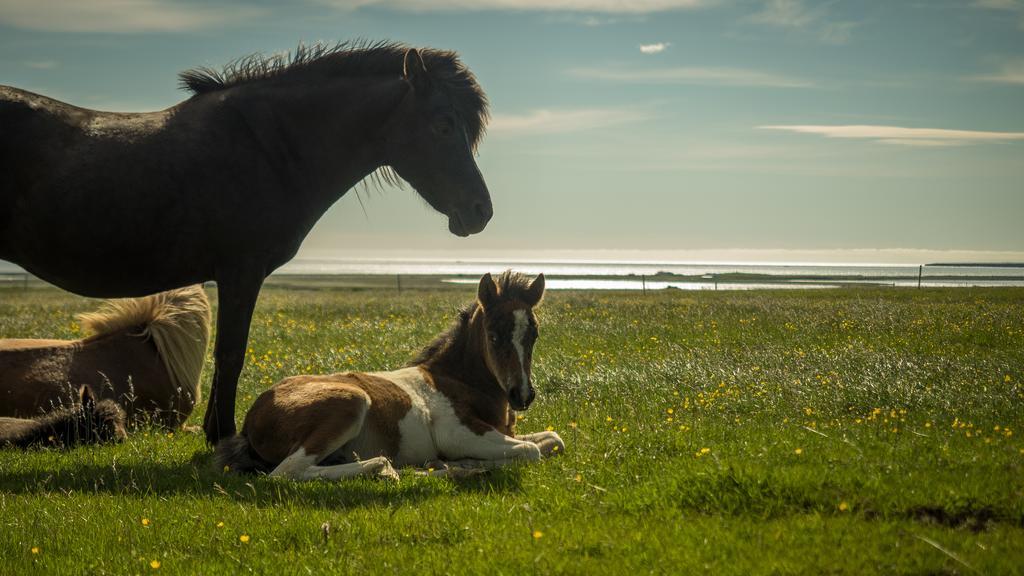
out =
column 517, row 401
column 466, row 222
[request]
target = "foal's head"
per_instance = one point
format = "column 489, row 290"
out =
column 510, row 328
column 433, row 136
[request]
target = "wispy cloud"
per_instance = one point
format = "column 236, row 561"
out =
column 559, row 121
column 692, row 75
column 798, row 17
column 1015, row 7
column 41, row 64
column 1011, row 5
column 923, row 137
column 1010, row 72
column 120, row 16
column 655, row 48
column 602, row 6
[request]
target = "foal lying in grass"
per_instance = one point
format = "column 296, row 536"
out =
column 451, row 403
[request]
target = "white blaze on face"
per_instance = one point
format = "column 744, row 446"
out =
column 518, row 336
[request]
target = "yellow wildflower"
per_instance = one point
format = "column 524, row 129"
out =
column 145, row 521
column 154, row 564
column 35, row 550
column 537, row 534
column 244, row 538
column 843, row 506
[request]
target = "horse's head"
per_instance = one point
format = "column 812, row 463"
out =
column 510, row 328
column 99, row 421
column 431, row 140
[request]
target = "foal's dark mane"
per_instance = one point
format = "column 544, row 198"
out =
column 511, row 286
column 352, row 59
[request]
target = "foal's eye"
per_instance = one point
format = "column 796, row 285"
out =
column 494, row 339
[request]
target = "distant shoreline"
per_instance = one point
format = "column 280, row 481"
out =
column 979, row 264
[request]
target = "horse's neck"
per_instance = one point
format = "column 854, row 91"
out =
column 463, row 362
column 329, row 137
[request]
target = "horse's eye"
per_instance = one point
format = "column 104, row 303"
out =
column 444, row 126
column 494, row 339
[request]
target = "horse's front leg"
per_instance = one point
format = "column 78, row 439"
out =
column 236, row 294
column 549, row 442
column 492, row 448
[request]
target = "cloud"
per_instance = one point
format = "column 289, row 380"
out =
column 923, row 137
column 119, row 16
column 784, row 14
column 1011, row 72
column 41, row 64
column 692, row 75
column 1011, row 5
column 796, row 16
column 602, row 6
column 560, row 121
column 655, row 48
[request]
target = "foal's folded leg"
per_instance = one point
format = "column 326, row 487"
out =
column 328, row 437
column 379, row 466
column 549, row 442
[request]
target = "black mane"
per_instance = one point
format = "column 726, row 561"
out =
column 454, row 334
column 352, row 59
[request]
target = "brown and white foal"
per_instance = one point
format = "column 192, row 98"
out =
column 451, row 403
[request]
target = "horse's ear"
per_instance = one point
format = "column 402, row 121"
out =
column 535, row 291
column 487, row 292
column 87, row 399
column 414, row 70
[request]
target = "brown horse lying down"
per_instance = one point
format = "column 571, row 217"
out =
column 146, row 354
column 452, row 403
column 88, row 422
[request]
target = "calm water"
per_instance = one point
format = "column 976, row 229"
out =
column 789, row 275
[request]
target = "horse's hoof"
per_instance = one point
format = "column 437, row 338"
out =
column 551, row 445
column 387, row 472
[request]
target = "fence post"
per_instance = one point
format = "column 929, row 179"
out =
column 920, row 270
column 643, row 284
column 398, row 279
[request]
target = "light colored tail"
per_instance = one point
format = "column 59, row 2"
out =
column 178, row 321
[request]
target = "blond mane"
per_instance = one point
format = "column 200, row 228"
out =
column 178, row 321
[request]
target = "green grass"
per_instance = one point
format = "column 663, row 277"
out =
column 845, row 431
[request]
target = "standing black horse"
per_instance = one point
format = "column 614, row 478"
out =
column 225, row 185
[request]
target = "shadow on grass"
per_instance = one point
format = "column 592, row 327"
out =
column 197, row 478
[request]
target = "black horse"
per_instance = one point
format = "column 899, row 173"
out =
column 225, row 185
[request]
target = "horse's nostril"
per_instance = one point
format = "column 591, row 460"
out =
column 484, row 210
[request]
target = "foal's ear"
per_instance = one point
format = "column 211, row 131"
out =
column 535, row 291
column 487, row 292
column 414, row 70
column 87, row 399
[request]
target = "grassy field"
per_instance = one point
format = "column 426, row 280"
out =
column 846, row 431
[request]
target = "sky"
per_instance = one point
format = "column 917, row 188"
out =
column 884, row 128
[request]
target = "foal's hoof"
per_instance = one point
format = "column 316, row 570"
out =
column 551, row 445
column 387, row 471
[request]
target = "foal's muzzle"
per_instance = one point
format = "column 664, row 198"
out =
column 517, row 401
